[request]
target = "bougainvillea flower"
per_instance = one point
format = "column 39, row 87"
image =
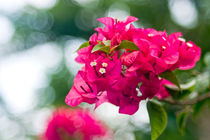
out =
column 100, row 67
column 124, row 94
column 127, row 68
column 129, row 100
column 66, row 124
column 85, row 53
column 85, row 91
column 150, row 85
column 189, row 55
column 163, row 93
column 115, row 30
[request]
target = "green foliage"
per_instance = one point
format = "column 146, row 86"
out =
column 197, row 108
column 107, row 42
column 61, row 82
column 170, row 76
column 186, row 89
column 158, row 119
column 101, row 47
column 181, row 120
column 171, row 132
column 86, row 44
column 128, row 45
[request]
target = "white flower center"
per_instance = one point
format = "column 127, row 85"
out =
column 93, row 63
column 104, row 64
column 102, row 70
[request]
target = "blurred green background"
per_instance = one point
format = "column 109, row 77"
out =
column 37, row 43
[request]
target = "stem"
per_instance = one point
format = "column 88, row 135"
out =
column 190, row 102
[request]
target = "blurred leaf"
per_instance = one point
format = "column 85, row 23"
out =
column 113, row 48
column 170, row 76
column 199, row 106
column 174, row 93
column 207, row 59
column 128, row 45
column 100, row 47
column 86, row 44
column 181, row 120
column 107, row 42
column 177, row 94
column 61, row 82
column 186, row 89
column 158, row 119
column 184, row 93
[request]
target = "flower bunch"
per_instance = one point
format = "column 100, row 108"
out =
column 76, row 124
column 124, row 65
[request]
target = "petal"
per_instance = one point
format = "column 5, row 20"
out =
column 129, row 58
column 160, row 66
column 93, row 39
column 130, row 19
column 128, row 107
column 101, row 99
column 162, row 93
column 150, row 86
column 170, row 55
column 73, row 98
column 108, row 21
column 189, row 56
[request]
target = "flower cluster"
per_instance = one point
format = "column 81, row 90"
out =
column 76, row 124
column 123, row 64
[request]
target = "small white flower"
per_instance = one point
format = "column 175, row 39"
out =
column 102, row 70
column 104, row 64
column 93, row 63
column 181, row 39
column 163, row 47
column 189, row 44
column 150, row 35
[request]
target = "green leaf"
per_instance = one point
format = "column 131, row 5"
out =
column 174, row 93
column 170, row 76
column 158, row 119
column 100, row 47
column 86, row 44
column 128, row 45
column 107, row 42
column 113, row 48
column 186, row 90
column 181, row 120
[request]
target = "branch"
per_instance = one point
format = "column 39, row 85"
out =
column 190, row 102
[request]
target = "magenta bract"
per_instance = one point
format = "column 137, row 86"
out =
column 126, row 76
column 75, row 124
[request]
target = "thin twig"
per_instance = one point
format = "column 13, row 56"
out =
column 190, row 102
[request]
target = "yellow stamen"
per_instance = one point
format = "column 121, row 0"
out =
column 104, row 64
